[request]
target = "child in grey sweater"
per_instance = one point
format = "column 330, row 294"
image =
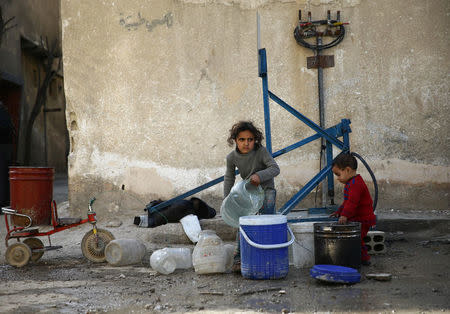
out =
column 254, row 162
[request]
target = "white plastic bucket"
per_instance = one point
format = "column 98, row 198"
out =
column 303, row 247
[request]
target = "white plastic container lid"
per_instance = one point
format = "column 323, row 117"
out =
column 262, row 220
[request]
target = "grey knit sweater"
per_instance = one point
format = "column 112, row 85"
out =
column 257, row 161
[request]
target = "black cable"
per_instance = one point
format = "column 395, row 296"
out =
column 299, row 38
column 320, row 168
column 374, row 180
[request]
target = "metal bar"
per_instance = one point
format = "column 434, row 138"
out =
column 304, row 191
column 330, row 178
column 262, row 64
column 321, row 118
column 152, row 209
column 305, row 120
column 320, row 210
column 47, row 233
column 335, row 131
column 265, row 90
column 345, row 135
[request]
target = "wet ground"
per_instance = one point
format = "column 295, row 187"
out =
column 63, row 281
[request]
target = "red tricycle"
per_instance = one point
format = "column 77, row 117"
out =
column 31, row 248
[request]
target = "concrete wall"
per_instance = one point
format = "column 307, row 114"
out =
column 21, row 61
column 153, row 88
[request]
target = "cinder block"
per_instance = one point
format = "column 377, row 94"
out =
column 375, row 242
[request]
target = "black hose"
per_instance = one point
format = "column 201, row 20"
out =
column 374, row 180
column 305, row 44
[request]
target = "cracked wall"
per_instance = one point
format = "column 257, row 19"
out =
column 152, row 90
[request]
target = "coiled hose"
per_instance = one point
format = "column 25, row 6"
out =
column 374, row 180
column 299, row 38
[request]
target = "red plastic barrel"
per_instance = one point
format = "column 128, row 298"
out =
column 31, row 191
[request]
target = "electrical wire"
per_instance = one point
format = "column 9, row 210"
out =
column 299, row 38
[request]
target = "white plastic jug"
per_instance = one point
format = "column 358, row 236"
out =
column 211, row 255
column 122, row 252
column 191, row 227
column 244, row 199
column 166, row 260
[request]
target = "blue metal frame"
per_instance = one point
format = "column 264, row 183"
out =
column 335, row 131
column 265, row 85
column 330, row 135
column 330, row 138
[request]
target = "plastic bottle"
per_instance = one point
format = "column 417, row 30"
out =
column 191, row 227
column 211, row 255
column 244, row 199
column 166, row 260
column 122, row 252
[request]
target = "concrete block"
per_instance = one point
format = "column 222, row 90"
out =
column 375, row 242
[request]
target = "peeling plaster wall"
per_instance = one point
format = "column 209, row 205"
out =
column 153, row 88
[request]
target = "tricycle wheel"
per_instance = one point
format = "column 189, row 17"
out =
column 18, row 254
column 93, row 247
column 34, row 243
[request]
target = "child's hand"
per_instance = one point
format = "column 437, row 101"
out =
column 255, row 180
column 342, row 220
column 335, row 214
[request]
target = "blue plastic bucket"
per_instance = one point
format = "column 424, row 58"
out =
column 264, row 246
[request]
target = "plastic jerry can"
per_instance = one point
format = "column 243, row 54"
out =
column 166, row 260
column 211, row 255
column 122, row 252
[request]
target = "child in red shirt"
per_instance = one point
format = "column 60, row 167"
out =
column 357, row 205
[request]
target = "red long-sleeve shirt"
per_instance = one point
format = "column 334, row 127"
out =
column 357, row 205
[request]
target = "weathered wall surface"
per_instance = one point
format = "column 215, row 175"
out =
column 153, row 88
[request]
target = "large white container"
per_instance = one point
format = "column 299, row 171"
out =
column 166, row 260
column 121, row 252
column 211, row 255
column 244, row 199
column 303, row 247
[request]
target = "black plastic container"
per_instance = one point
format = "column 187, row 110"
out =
column 336, row 244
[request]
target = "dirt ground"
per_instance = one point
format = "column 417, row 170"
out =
column 63, row 281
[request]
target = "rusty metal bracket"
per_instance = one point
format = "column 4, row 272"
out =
column 322, row 61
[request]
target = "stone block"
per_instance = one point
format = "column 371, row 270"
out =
column 375, row 242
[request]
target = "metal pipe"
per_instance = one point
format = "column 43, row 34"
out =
column 323, row 156
column 265, row 87
column 330, row 178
